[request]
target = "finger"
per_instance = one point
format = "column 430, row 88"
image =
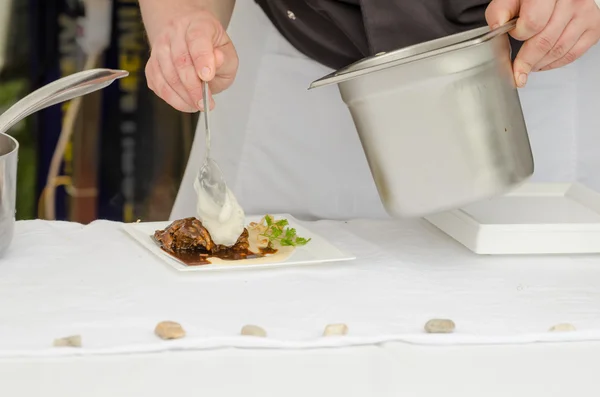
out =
column 227, row 72
column 586, row 41
column 157, row 83
column 184, row 66
column 170, row 74
column 219, row 58
column 565, row 43
column 230, row 61
column 501, row 11
column 537, row 47
column 149, row 73
column 534, row 15
column 211, row 102
column 201, row 40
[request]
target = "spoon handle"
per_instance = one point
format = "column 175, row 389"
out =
column 206, row 112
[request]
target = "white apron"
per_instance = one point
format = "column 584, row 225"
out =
column 284, row 149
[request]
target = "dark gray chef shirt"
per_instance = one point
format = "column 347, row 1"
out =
column 339, row 32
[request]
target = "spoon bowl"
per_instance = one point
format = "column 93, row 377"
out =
column 211, row 181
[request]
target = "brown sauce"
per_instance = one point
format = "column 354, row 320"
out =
column 267, row 250
column 190, row 258
column 201, row 257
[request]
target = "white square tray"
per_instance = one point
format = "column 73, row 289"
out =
column 533, row 219
column 318, row 251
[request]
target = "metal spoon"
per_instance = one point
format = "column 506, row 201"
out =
column 210, row 178
column 64, row 89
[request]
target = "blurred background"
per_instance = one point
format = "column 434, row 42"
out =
column 128, row 149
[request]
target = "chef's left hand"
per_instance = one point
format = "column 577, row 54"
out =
column 555, row 32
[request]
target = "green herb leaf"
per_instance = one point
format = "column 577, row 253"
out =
column 290, row 233
column 301, row 241
column 277, row 231
column 269, row 220
column 282, row 223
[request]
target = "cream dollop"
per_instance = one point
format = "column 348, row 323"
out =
column 225, row 224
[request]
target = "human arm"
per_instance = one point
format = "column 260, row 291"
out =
column 158, row 13
column 189, row 43
column 555, row 32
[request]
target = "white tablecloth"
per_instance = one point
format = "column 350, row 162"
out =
column 60, row 279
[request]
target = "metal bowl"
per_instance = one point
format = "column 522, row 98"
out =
column 441, row 122
column 9, row 148
column 61, row 90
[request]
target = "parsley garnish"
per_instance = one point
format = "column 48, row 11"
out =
column 278, row 231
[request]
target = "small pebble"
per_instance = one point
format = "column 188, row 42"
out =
column 254, row 330
column 69, row 341
column 440, row 326
column 565, row 327
column 169, row 330
column 335, row 329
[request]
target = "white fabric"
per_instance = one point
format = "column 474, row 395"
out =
column 587, row 122
column 385, row 370
column 285, row 149
column 281, row 147
column 60, row 279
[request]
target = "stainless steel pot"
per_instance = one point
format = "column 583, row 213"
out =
column 440, row 123
column 9, row 148
column 61, row 90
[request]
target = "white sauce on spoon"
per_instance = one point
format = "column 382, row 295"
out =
column 225, row 224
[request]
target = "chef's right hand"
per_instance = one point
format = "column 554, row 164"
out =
column 192, row 46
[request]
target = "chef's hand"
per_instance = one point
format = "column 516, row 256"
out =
column 555, row 32
column 192, row 46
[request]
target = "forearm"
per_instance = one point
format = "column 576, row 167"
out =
column 157, row 13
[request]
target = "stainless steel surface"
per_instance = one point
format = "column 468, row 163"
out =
column 414, row 53
column 210, row 178
column 69, row 87
column 61, row 90
column 443, row 128
column 206, row 103
column 8, row 188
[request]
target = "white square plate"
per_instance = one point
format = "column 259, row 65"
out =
column 536, row 218
column 318, row 250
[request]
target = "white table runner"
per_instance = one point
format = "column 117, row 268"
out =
column 60, row 279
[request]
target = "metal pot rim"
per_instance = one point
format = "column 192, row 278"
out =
column 413, row 53
column 14, row 141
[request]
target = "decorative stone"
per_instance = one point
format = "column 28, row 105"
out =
column 254, row 330
column 564, row 327
column 440, row 326
column 69, row 341
column 169, row 330
column 335, row 329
